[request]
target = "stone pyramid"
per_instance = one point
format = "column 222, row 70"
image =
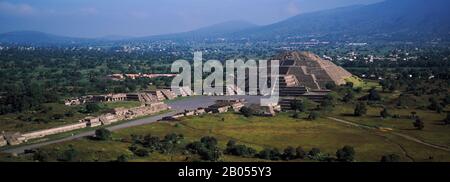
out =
column 310, row 70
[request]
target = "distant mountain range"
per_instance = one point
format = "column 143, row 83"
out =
column 392, row 20
column 220, row 30
column 34, row 37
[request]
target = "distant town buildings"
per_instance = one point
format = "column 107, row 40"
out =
column 118, row 77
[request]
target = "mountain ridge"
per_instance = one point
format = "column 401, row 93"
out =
column 390, row 20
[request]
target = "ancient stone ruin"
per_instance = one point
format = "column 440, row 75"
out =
column 143, row 97
column 310, row 70
column 118, row 114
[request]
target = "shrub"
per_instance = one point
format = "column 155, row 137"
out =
column 69, row 155
column 289, row 153
column 103, row 134
column 300, row 153
column 348, row 97
column 298, row 105
column 419, row 124
column 390, row 158
column 141, row 152
column 360, row 109
column 330, row 85
column 92, row 108
column 122, row 158
column 313, row 115
column 314, row 152
column 385, row 113
column 240, row 150
column 269, row 154
column 247, row 111
column 206, row 148
column 346, row 154
column 374, row 95
column 447, row 119
column 41, row 156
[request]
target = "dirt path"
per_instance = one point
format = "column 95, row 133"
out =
column 407, row 137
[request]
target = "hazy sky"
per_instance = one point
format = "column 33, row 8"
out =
column 96, row 18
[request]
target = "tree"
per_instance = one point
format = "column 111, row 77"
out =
column 69, row 155
column 447, row 119
column 269, row 154
column 247, row 111
column 209, row 142
column 231, row 143
column 103, row 134
column 240, row 150
column 142, row 152
column 213, row 154
column 206, row 148
column 328, row 102
column 122, row 158
column 349, row 84
column 374, row 95
column 314, row 152
column 435, row 105
column 296, row 115
column 360, row 109
column 41, row 156
column 419, row 124
column 348, row 97
column 92, row 108
column 446, row 100
column 346, row 154
column 313, row 115
column 330, row 85
column 385, row 113
column 390, row 158
column 300, row 153
column 289, row 153
column 298, row 105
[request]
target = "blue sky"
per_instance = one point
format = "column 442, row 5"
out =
column 96, row 18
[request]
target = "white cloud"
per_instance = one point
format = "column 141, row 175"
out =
column 16, row 9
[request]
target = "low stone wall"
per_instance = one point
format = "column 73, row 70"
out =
column 3, row 141
column 52, row 131
column 105, row 119
column 143, row 97
column 14, row 138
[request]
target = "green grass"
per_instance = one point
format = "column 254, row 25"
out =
column 12, row 122
column 259, row 133
column 357, row 82
column 434, row 132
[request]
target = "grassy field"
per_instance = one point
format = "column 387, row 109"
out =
column 434, row 132
column 258, row 132
column 53, row 115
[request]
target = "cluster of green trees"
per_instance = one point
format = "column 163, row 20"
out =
column 346, row 154
column 47, row 75
column 303, row 105
column 68, row 155
column 206, row 148
column 144, row 145
column 239, row 150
